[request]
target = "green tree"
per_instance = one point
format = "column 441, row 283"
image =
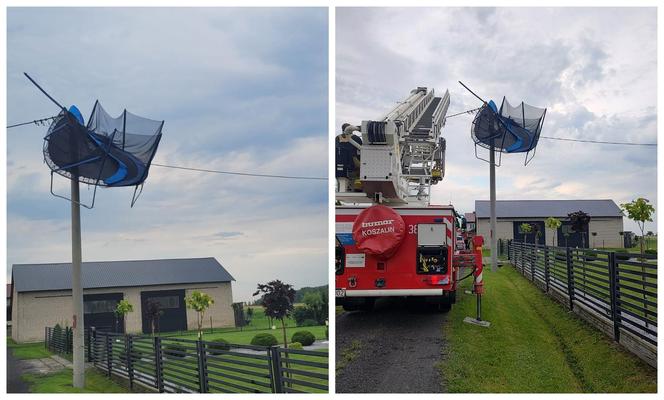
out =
column 525, row 228
column 639, row 211
column 278, row 299
column 553, row 223
column 314, row 302
column 199, row 302
column 123, row 308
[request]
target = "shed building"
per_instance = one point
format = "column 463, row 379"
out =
column 41, row 295
column 605, row 228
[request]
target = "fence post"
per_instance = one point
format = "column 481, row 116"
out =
column 109, row 354
column 86, row 346
column 158, row 364
column 129, row 341
column 277, row 373
column 46, row 337
column 202, row 366
column 533, row 261
column 68, row 345
column 92, row 333
column 570, row 279
column 613, row 285
column 546, row 268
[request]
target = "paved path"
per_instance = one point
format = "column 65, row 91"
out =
column 14, row 371
column 397, row 350
column 17, row 368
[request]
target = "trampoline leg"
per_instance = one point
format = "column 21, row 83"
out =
column 77, row 290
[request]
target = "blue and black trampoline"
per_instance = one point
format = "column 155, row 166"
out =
column 107, row 151
column 508, row 129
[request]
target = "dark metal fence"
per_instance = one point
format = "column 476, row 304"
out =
column 614, row 291
column 58, row 339
column 191, row 366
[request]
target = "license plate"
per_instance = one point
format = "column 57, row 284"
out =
column 341, row 292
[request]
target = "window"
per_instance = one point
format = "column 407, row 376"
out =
column 166, row 301
column 99, row 306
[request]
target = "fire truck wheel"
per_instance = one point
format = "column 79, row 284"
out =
column 444, row 305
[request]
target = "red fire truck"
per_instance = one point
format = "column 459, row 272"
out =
column 390, row 242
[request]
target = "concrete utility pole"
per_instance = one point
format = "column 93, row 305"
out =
column 76, row 287
column 492, row 201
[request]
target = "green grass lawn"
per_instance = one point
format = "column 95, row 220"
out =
column 61, row 382
column 28, row 351
column 533, row 345
column 258, row 322
column 244, row 337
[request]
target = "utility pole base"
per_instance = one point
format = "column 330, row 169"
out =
column 478, row 322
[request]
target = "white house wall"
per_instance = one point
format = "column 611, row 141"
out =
column 607, row 231
column 33, row 311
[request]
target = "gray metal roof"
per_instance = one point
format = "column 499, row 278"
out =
column 547, row 208
column 106, row 274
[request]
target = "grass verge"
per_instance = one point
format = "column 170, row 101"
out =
column 533, row 345
column 28, row 351
column 61, row 382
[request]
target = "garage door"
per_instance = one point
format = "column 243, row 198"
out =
column 173, row 310
column 530, row 237
column 99, row 311
column 568, row 238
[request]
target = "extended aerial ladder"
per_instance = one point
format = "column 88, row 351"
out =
column 390, row 240
column 402, row 154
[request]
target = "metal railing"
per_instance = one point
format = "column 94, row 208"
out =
column 614, row 291
column 192, row 366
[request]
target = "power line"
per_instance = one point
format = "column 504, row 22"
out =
column 598, row 141
column 36, row 122
column 240, row 173
column 464, row 112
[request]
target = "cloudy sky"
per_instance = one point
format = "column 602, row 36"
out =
column 594, row 69
column 240, row 90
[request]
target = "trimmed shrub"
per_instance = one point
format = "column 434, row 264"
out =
column 305, row 337
column 295, row 346
column 174, row 350
column 219, row 344
column 327, row 333
column 650, row 251
column 264, row 339
column 622, row 257
column 301, row 314
column 309, row 322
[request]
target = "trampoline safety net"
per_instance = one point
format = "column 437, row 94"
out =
column 107, row 151
column 510, row 129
